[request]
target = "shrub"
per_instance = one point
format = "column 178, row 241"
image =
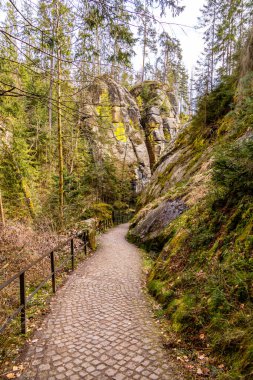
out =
column 232, row 170
column 216, row 104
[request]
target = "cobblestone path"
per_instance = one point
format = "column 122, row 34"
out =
column 100, row 325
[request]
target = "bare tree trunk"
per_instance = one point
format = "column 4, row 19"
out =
column 2, row 211
column 98, row 50
column 75, row 145
column 50, row 106
column 144, row 51
column 166, row 58
column 212, row 47
column 59, row 120
column 144, row 43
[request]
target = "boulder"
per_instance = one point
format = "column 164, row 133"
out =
column 149, row 223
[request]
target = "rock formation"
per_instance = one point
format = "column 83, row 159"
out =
column 133, row 128
column 159, row 116
column 112, row 119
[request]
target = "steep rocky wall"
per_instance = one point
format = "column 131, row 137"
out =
column 134, row 128
column 159, row 116
column 113, row 121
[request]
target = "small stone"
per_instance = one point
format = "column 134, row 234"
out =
column 91, row 369
column 44, row 367
column 111, row 372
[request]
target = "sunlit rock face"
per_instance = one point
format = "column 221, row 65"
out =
column 159, row 116
column 134, row 128
column 111, row 123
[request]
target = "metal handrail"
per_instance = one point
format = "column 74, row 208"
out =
column 21, row 275
column 33, row 263
column 120, row 217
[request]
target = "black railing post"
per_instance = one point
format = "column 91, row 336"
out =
column 72, row 254
column 53, row 271
column 22, row 302
column 85, row 242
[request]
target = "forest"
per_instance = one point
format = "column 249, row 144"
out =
column 99, row 116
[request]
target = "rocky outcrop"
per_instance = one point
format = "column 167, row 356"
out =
column 159, row 116
column 112, row 119
column 179, row 180
column 148, row 224
column 134, row 128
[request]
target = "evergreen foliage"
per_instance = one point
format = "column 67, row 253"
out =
column 232, row 171
column 216, row 104
column 49, row 53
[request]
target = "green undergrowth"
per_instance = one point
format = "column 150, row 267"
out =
column 100, row 210
column 203, row 279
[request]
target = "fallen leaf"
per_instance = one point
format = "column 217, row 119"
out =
column 15, row 368
column 11, row 375
column 189, row 366
column 199, row 371
column 221, row 366
column 201, row 357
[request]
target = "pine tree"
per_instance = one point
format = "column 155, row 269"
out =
column 225, row 26
column 147, row 35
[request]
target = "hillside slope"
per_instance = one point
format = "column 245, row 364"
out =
column 196, row 218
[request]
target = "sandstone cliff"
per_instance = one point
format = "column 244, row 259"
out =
column 159, row 116
column 133, row 127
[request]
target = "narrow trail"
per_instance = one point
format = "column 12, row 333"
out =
column 100, row 325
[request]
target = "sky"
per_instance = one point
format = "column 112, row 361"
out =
column 190, row 38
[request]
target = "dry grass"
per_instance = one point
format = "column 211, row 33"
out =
column 19, row 246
